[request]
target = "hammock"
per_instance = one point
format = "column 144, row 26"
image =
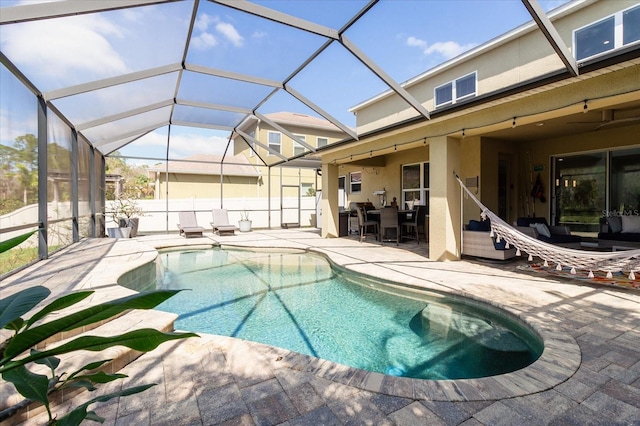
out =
column 609, row 262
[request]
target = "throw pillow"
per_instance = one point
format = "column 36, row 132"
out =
column 615, row 224
column 630, row 224
column 542, row 229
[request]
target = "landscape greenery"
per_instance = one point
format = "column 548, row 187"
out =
column 18, row 352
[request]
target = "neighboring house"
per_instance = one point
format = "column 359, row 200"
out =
column 200, row 176
column 501, row 115
column 271, row 139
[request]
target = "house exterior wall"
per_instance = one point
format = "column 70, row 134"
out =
column 204, row 186
column 307, row 178
column 498, row 66
column 463, row 139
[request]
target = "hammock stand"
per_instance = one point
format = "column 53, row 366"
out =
column 627, row 261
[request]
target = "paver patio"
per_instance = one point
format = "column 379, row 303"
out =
column 589, row 374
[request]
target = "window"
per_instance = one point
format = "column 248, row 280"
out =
column 306, row 189
column 322, row 142
column 631, row 25
column 252, row 145
column 275, row 142
column 297, row 148
column 605, row 35
column 342, row 193
column 444, row 94
column 454, row 91
column 355, row 180
column 415, row 184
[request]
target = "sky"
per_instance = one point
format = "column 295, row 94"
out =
column 403, row 37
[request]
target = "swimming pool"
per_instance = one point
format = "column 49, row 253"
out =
column 297, row 301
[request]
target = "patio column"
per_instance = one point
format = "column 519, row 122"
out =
column 330, row 209
column 444, row 199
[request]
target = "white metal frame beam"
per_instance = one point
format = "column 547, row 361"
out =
column 109, row 82
column 355, row 51
column 260, row 144
column 128, row 134
column 285, row 131
column 552, row 35
column 283, row 18
column 123, row 114
column 216, row 107
column 320, row 111
column 48, row 10
column 232, row 75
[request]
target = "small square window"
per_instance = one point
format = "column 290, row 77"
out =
column 355, row 180
column 444, row 94
column 596, row 38
column 631, row 25
column 466, row 86
column 322, row 142
column 275, row 142
column 297, row 148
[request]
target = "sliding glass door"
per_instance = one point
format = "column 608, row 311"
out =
column 591, row 186
column 580, row 192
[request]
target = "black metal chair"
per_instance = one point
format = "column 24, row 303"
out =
column 389, row 220
column 364, row 224
column 414, row 225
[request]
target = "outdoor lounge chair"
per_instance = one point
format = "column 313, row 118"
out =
column 188, row 225
column 221, row 224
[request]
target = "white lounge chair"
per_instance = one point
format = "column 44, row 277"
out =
column 188, row 225
column 221, row 224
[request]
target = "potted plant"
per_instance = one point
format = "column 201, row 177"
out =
column 244, row 224
column 125, row 212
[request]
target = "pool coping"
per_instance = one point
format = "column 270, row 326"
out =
column 560, row 359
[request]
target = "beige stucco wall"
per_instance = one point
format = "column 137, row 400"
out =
column 206, row 186
column 384, row 172
column 502, row 65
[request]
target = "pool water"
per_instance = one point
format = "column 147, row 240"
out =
column 297, row 301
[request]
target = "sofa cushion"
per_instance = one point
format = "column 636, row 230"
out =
column 476, row 225
column 620, row 236
column 526, row 221
column 542, row 229
column 615, row 223
column 561, row 239
column 502, row 245
column 630, row 224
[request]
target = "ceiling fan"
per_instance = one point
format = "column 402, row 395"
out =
column 608, row 119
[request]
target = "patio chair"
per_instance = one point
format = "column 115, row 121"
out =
column 413, row 226
column 389, row 221
column 188, row 225
column 364, row 224
column 220, row 224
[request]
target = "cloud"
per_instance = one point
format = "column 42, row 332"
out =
column 230, row 33
column 259, row 34
column 447, row 49
column 203, row 21
column 204, row 41
column 183, row 144
column 413, row 41
column 80, row 45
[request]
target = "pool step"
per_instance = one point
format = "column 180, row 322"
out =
column 120, row 356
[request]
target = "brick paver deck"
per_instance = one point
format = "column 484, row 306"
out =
column 589, row 373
